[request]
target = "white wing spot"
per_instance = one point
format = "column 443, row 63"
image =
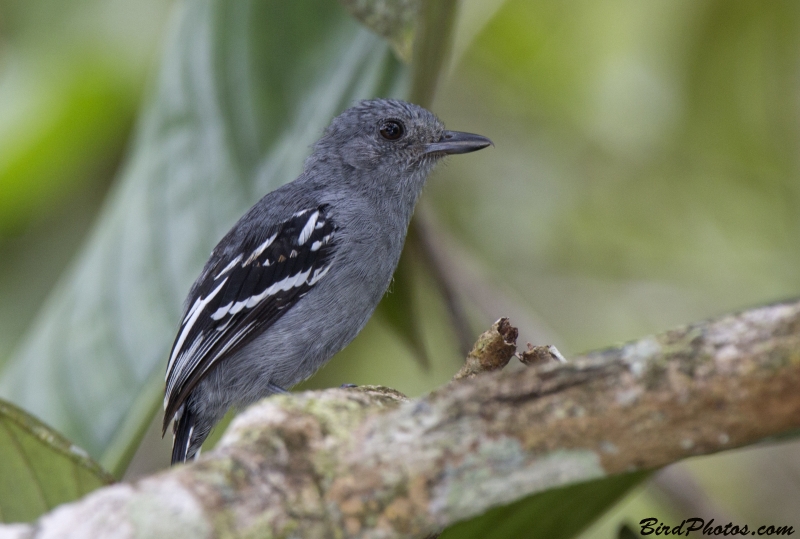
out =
column 285, row 284
column 191, row 311
column 308, row 229
column 317, row 244
column 222, row 311
column 229, row 267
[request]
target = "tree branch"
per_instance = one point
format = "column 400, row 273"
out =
column 367, row 462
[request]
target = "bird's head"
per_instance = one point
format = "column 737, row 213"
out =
column 392, row 139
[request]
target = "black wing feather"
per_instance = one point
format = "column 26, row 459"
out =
column 219, row 320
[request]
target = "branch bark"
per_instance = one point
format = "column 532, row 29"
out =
column 367, row 462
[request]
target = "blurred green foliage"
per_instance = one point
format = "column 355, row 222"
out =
column 70, row 82
column 58, row 127
column 644, row 152
column 645, row 174
column 71, row 76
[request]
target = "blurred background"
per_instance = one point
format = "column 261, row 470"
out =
column 644, row 175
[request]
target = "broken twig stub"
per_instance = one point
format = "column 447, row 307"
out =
column 492, row 351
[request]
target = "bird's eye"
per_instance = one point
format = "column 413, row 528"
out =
column 392, row 130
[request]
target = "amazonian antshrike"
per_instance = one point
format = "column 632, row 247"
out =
column 299, row 275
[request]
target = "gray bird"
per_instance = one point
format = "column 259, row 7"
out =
column 299, row 275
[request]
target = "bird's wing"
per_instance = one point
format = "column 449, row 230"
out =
column 244, row 294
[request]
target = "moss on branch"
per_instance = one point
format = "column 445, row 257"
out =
column 367, row 462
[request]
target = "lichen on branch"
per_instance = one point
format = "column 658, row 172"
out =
column 367, row 462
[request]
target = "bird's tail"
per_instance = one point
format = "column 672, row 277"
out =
column 184, row 437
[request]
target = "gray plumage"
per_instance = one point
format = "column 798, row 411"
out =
column 299, row 275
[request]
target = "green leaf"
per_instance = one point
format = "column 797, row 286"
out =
column 39, row 468
column 244, row 89
column 555, row 514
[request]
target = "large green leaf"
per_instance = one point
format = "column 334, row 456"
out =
column 244, row 89
column 39, row 468
column 555, row 514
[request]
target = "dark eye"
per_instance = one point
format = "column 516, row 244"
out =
column 392, row 130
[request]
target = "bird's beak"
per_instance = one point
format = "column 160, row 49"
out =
column 458, row 142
